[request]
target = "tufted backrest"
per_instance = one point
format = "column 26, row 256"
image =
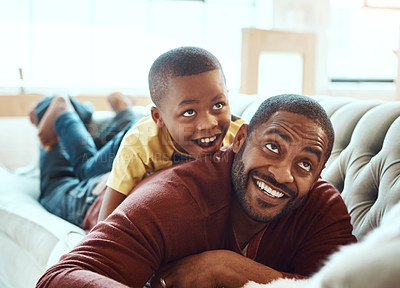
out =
column 365, row 164
column 365, row 161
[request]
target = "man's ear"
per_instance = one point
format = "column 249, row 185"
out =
column 239, row 138
column 156, row 115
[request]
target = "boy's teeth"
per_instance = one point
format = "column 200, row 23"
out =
column 268, row 190
column 207, row 140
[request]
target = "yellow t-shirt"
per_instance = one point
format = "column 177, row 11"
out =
column 145, row 149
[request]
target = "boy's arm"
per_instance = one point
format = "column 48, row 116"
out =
column 112, row 198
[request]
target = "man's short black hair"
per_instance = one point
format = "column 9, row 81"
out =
column 181, row 61
column 298, row 104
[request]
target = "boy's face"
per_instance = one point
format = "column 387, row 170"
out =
column 196, row 112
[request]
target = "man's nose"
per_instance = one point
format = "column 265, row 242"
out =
column 282, row 172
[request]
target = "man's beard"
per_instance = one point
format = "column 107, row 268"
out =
column 240, row 183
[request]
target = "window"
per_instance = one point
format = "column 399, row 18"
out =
column 384, row 4
column 362, row 41
column 87, row 46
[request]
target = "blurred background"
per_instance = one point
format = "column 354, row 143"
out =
column 100, row 46
column 91, row 48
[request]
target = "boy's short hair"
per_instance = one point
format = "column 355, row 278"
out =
column 181, row 61
column 298, row 104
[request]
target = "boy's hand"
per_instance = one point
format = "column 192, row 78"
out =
column 101, row 185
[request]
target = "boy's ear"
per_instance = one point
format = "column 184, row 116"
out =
column 239, row 138
column 319, row 175
column 156, row 115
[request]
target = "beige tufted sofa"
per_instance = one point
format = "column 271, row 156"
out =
column 365, row 163
column 364, row 166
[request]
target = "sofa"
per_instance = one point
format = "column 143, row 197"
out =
column 364, row 167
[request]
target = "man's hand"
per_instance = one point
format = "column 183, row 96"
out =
column 217, row 268
column 199, row 270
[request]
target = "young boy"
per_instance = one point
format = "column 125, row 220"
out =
column 191, row 118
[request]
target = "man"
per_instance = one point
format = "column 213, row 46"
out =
column 256, row 210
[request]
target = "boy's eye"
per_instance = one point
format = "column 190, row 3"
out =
column 218, row 106
column 273, row 147
column 305, row 165
column 189, row 113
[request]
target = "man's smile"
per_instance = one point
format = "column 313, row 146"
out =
column 268, row 190
column 272, row 192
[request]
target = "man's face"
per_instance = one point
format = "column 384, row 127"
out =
column 277, row 165
column 196, row 112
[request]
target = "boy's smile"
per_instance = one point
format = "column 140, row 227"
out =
column 206, row 142
column 196, row 112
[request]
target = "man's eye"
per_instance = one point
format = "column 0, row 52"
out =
column 189, row 113
column 218, row 106
column 305, row 165
column 273, row 147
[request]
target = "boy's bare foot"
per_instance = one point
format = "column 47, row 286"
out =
column 46, row 132
column 119, row 101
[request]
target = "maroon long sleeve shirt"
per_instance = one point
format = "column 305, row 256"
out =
column 184, row 210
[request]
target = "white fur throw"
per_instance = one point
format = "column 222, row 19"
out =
column 280, row 283
column 373, row 262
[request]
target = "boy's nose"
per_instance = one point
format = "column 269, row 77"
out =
column 207, row 122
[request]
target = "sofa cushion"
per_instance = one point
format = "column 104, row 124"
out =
column 29, row 235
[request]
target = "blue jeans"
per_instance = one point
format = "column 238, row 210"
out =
column 61, row 192
column 72, row 168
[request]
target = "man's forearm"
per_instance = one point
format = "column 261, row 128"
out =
column 216, row 268
column 235, row 269
column 70, row 278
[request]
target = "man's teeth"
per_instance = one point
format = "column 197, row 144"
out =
column 268, row 190
column 207, row 140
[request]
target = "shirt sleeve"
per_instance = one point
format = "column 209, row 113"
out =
column 115, row 254
column 129, row 166
column 323, row 225
column 142, row 151
column 233, row 129
column 145, row 232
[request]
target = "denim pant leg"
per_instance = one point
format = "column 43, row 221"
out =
column 115, row 125
column 83, row 154
column 76, row 141
column 84, row 110
column 62, row 193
